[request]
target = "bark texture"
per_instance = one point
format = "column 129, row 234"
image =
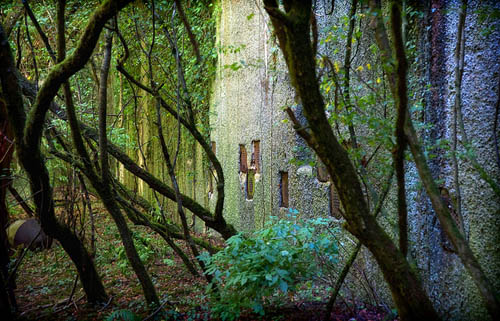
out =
column 28, row 131
column 292, row 28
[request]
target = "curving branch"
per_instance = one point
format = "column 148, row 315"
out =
column 297, row 51
column 28, row 131
column 448, row 224
column 188, row 123
column 401, row 102
column 68, row 67
column 187, row 26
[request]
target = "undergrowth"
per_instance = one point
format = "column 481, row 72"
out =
column 268, row 264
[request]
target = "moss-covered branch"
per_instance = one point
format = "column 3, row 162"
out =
column 68, row 67
column 34, row 164
column 226, row 230
column 129, row 202
column 401, row 102
column 173, row 230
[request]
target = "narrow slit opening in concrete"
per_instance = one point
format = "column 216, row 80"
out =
column 243, row 159
column 210, row 183
column 334, row 202
column 322, row 173
column 283, row 189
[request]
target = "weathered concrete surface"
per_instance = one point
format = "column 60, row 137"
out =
column 247, row 105
column 448, row 283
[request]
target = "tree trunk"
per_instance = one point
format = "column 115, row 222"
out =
column 292, row 29
column 103, row 184
column 441, row 210
column 28, row 132
column 34, row 164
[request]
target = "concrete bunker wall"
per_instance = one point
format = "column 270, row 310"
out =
column 252, row 86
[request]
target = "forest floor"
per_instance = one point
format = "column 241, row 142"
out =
column 46, row 280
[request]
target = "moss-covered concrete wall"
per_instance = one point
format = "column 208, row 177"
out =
column 252, row 87
column 250, row 91
column 447, row 282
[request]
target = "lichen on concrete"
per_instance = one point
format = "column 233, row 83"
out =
column 252, row 87
column 451, row 288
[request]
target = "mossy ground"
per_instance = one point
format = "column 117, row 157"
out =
column 45, row 279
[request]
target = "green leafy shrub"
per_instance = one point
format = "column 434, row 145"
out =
column 268, row 262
